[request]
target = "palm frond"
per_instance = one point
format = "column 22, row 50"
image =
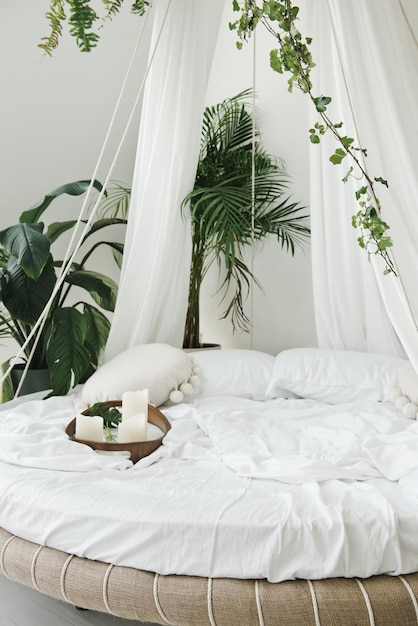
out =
column 116, row 202
column 229, row 210
column 240, row 276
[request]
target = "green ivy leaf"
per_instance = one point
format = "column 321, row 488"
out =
column 384, row 243
column 338, row 156
column 321, row 103
column 381, row 180
column 371, row 212
column 320, row 128
column 347, row 141
column 275, row 62
column 360, row 192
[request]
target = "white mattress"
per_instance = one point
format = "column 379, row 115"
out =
column 280, row 490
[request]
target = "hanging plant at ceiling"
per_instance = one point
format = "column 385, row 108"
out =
column 83, row 21
column 292, row 55
column 239, row 198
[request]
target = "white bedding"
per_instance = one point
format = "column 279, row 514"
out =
column 281, row 489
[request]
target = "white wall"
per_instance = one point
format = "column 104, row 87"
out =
column 53, row 118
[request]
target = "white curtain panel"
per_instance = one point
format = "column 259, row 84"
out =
column 367, row 61
column 152, row 299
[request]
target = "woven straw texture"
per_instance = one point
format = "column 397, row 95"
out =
column 194, row 601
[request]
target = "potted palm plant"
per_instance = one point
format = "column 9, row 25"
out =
column 72, row 339
column 238, row 199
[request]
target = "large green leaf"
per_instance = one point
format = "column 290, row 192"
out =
column 29, row 247
column 98, row 327
column 58, row 228
column 67, row 356
column 118, row 249
column 104, row 222
column 3, row 280
column 25, row 298
column 76, row 188
column 102, row 289
column 116, row 246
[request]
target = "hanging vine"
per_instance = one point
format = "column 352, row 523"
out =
column 292, row 55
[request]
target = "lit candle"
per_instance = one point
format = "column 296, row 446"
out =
column 133, row 429
column 134, row 402
column 89, row 427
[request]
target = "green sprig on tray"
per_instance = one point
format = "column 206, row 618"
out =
column 111, row 415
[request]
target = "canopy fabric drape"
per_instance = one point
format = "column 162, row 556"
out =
column 367, row 61
column 152, row 299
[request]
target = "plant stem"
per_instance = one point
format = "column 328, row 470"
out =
column 197, row 271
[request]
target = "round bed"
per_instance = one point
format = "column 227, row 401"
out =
column 261, row 507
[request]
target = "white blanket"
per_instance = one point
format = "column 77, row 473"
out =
column 276, row 490
column 292, row 441
column 296, row 441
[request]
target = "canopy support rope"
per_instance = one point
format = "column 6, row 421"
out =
column 253, row 147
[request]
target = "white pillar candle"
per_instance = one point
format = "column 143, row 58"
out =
column 133, row 429
column 134, row 402
column 89, row 427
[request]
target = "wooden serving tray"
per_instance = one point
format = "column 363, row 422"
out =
column 137, row 449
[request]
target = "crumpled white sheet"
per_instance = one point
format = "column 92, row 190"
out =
column 292, row 441
column 32, row 434
column 296, row 441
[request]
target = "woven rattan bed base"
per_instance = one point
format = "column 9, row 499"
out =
column 193, row 601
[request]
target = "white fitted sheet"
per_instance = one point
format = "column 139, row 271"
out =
column 280, row 490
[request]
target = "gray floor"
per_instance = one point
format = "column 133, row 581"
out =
column 22, row 606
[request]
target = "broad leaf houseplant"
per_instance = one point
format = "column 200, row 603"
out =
column 73, row 337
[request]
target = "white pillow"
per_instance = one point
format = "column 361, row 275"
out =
column 334, row 376
column 233, row 372
column 404, row 393
column 165, row 371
